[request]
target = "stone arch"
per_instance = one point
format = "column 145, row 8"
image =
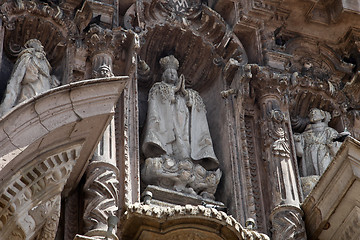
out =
column 25, row 20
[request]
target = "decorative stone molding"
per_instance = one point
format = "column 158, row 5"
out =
column 105, row 41
column 101, row 197
column 287, row 223
column 30, row 200
column 56, row 117
column 26, row 19
column 160, row 220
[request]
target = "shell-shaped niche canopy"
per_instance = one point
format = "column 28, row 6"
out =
column 25, row 20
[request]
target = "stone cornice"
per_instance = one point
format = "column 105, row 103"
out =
column 191, row 215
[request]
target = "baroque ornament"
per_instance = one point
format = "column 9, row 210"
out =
column 30, row 201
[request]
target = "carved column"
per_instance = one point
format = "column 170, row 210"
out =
column 278, row 151
column 102, row 185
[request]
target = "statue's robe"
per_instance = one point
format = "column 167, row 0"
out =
column 177, row 127
column 30, row 77
column 317, row 143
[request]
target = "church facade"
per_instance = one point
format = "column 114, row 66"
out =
column 179, row 119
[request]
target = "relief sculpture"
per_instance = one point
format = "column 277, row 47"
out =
column 177, row 143
column 30, row 76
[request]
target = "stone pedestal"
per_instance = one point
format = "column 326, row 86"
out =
column 166, row 197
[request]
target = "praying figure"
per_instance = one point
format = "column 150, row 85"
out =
column 30, row 76
column 177, row 143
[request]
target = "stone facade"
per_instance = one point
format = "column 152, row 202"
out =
column 179, row 119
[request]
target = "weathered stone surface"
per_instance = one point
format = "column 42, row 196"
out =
column 177, row 143
column 39, row 172
column 30, row 76
column 193, row 222
column 166, row 197
column 316, row 145
column 331, row 208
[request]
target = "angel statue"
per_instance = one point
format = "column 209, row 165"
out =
column 30, row 76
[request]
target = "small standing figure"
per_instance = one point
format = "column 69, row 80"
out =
column 30, row 76
column 316, row 145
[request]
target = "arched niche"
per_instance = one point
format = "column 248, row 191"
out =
column 319, row 82
column 25, row 20
column 203, row 43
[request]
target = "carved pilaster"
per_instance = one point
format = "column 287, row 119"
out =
column 270, row 90
column 102, row 184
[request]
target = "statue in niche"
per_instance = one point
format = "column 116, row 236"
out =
column 177, row 142
column 316, row 145
column 30, row 76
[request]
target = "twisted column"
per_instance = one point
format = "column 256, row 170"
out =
column 102, row 185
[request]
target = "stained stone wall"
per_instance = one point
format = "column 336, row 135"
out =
column 259, row 67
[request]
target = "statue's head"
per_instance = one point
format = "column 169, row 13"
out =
column 169, row 66
column 34, row 43
column 317, row 115
column 104, row 71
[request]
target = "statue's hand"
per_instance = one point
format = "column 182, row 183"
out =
column 183, row 90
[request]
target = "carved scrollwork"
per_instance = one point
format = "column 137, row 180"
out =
column 25, row 20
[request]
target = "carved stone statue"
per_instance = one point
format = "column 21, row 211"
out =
column 30, row 76
column 177, row 143
column 315, row 145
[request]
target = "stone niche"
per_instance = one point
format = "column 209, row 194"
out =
column 216, row 115
column 203, row 46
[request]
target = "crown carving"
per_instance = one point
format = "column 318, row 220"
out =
column 169, row 62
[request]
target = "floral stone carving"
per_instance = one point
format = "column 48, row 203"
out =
column 177, row 143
